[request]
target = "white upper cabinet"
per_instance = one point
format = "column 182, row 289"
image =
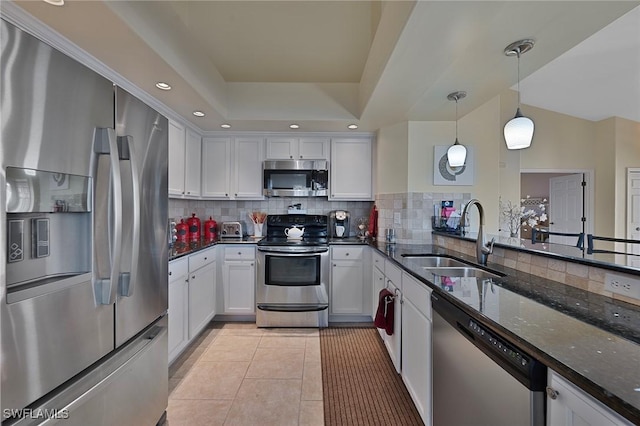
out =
column 232, row 167
column 249, row 154
column 351, row 169
column 184, row 161
column 177, row 149
column 216, row 167
column 293, row 148
column 192, row 163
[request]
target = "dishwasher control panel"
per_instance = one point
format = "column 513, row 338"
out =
column 510, row 353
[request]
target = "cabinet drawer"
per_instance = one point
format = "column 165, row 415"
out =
column 378, row 261
column 417, row 293
column 393, row 273
column 201, row 258
column 347, row 253
column 178, row 268
column 239, row 253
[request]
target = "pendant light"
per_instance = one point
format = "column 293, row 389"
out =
column 457, row 153
column 518, row 132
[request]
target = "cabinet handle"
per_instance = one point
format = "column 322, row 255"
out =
column 182, row 192
column 334, row 265
column 188, row 192
column 226, row 195
column 638, row 228
column 187, row 280
column 170, row 273
column 346, row 254
column 252, row 264
column 552, row 393
column 301, row 156
column 291, row 156
column 239, row 253
column 205, row 258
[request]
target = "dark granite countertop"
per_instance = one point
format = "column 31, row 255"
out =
column 180, row 250
column 572, row 331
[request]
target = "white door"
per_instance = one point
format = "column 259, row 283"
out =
column 565, row 207
column 633, row 215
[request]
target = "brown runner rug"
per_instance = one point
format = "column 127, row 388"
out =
column 360, row 384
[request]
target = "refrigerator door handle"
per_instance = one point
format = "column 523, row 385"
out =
column 127, row 153
column 110, row 209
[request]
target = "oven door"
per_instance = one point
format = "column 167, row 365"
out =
column 292, row 287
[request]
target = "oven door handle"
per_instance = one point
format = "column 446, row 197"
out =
column 308, row 250
column 290, row 307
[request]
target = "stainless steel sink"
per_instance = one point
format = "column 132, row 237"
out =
column 430, row 261
column 462, row 272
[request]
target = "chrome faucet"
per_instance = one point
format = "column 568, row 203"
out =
column 483, row 249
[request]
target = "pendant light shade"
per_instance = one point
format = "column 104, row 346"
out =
column 518, row 132
column 457, row 153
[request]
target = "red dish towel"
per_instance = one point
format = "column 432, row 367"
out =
column 384, row 314
column 373, row 222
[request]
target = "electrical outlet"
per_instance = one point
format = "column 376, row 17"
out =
column 622, row 284
column 397, row 219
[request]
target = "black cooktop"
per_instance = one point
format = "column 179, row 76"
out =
column 315, row 230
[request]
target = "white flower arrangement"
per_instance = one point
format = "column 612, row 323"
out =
column 516, row 215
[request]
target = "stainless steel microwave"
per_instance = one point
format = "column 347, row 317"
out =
column 296, row 178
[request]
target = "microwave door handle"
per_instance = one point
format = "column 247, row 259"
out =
column 108, row 209
column 127, row 279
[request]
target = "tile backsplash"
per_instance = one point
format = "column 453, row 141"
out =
column 230, row 211
column 410, row 213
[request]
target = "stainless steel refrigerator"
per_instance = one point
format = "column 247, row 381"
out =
column 83, row 206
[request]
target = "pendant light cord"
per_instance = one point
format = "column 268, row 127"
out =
column 518, row 53
column 456, row 120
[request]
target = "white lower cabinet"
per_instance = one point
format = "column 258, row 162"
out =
column 416, row 344
column 202, row 303
column 239, row 280
column 192, row 288
column 568, row 405
column 178, row 307
column 393, row 342
column 347, row 281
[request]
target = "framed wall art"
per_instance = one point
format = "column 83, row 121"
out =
column 444, row 174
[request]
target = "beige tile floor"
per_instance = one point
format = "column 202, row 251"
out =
column 237, row 374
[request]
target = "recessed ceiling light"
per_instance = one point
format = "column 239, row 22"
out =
column 294, row 126
column 198, row 113
column 225, row 125
column 55, row 2
column 163, row 86
column 352, row 126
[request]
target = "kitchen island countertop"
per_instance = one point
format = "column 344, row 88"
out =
column 570, row 330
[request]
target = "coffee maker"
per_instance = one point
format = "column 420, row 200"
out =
column 339, row 224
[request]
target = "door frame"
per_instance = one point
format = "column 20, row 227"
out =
column 589, row 202
column 630, row 171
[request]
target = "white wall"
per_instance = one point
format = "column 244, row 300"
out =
column 391, row 159
column 627, row 138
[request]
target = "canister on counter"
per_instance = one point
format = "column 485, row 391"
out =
column 390, row 235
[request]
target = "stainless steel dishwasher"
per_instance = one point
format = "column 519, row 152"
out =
column 478, row 378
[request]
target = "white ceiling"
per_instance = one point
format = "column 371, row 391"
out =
column 261, row 65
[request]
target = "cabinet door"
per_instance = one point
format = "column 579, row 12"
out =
column 351, row 169
column 573, row 407
column 216, row 167
column 176, row 159
column 193, row 160
column 239, row 282
column 377, row 278
column 394, row 341
column 248, row 174
column 347, row 287
column 282, row 148
column 201, row 298
column 416, row 348
column 177, row 315
column 313, row 148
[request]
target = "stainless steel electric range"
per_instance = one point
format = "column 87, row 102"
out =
column 293, row 273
